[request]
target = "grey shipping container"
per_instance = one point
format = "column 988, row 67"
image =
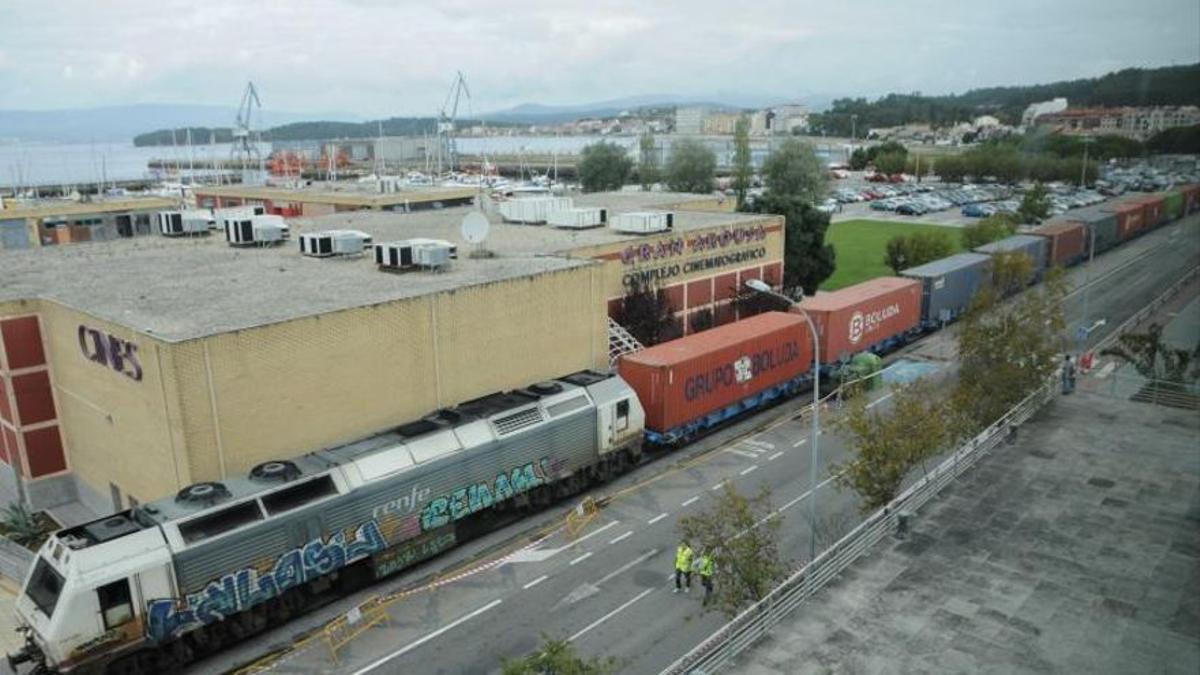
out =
column 948, row 285
column 1035, row 247
column 1102, row 225
column 14, row 234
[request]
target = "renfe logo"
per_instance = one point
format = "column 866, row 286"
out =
column 740, row 370
column 112, row 351
column 863, row 324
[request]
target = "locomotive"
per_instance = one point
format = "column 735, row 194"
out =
column 151, row 588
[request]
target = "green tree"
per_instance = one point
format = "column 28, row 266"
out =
column 887, row 443
column 858, row 159
column 987, row 230
column 1006, row 349
column 648, row 315
column 604, row 166
column 950, row 168
column 1151, row 356
column 795, row 170
column 558, row 657
column 1035, row 205
column 743, row 169
column 807, row 259
column 742, row 533
column 891, row 163
column 691, row 167
column 916, row 249
column 916, row 165
column 648, row 171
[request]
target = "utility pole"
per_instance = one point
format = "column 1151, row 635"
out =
column 1086, row 140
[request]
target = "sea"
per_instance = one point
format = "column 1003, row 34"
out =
column 32, row 164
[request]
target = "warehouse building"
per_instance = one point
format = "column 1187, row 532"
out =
column 52, row 222
column 326, row 198
column 130, row 371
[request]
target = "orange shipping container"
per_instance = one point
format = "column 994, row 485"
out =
column 1068, row 241
column 1129, row 217
column 857, row 318
column 705, row 377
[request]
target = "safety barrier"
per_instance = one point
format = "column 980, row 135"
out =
column 718, row 651
column 344, row 629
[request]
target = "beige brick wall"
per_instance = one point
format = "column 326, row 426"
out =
column 115, row 429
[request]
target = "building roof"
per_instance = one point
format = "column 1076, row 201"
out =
column 184, row 288
column 60, row 207
column 343, row 194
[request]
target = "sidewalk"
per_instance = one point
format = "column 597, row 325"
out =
column 1074, row 550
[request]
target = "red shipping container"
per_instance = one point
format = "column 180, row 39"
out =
column 858, row 317
column 1191, row 198
column 683, row 380
column 1129, row 217
column 1068, row 241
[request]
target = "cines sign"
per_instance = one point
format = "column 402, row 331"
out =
column 740, row 370
column 864, row 324
column 665, row 272
column 110, row 350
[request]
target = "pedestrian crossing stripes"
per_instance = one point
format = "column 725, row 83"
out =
column 752, row 448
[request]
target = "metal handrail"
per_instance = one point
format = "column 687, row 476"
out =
column 716, row 652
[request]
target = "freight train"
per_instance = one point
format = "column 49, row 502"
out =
column 153, row 587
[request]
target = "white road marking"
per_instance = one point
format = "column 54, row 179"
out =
column 797, row 500
column 536, row 581
column 717, row 486
column 879, row 400
column 749, row 469
column 589, row 535
column 581, row 558
column 775, row 456
column 624, row 568
column 743, row 453
column 799, row 443
column 622, row 537
column 413, row 645
column 611, row 614
column 657, row 518
column 531, row 555
column 1107, row 370
column 691, row 501
column 759, row 444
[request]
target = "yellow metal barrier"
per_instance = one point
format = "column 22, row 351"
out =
column 344, row 629
column 580, row 516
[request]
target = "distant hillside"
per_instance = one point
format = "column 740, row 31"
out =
column 310, row 131
column 536, row 113
column 1172, row 85
column 120, row 123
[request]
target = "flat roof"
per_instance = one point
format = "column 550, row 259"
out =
column 48, row 207
column 190, row 287
column 361, row 195
column 1059, row 553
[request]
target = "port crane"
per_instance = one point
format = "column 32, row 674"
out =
column 245, row 151
column 446, row 149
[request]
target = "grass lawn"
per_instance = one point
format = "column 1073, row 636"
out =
column 860, row 246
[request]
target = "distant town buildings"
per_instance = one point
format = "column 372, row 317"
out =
column 1139, row 123
column 689, row 120
column 1042, row 108
column 777, row 120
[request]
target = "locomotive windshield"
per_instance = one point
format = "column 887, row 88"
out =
column 44, row 587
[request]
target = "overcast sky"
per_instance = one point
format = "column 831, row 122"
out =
column 393, row 57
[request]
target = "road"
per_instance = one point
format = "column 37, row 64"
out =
column 609, row 591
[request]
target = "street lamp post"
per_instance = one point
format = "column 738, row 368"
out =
column 760, row 286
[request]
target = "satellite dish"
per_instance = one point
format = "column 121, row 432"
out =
column 475, row 227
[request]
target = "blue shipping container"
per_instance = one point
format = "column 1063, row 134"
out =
column 948, row 286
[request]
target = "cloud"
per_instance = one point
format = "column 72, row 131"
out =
column 380, row 57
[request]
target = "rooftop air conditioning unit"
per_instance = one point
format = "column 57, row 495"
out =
column 643, row 222
column 256, row 230
column 533, row 210
column 578, row 219
column 334, row 243
column 410, row 253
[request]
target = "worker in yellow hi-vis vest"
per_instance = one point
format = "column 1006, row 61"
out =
column 706, row 568
column 683, row 566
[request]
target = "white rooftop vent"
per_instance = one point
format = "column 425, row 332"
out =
column 643, row 222
column 410, row 253
column 578, row 219
column 533, row 210
column 181, row 223
column 334, row 243
column 256, row 230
